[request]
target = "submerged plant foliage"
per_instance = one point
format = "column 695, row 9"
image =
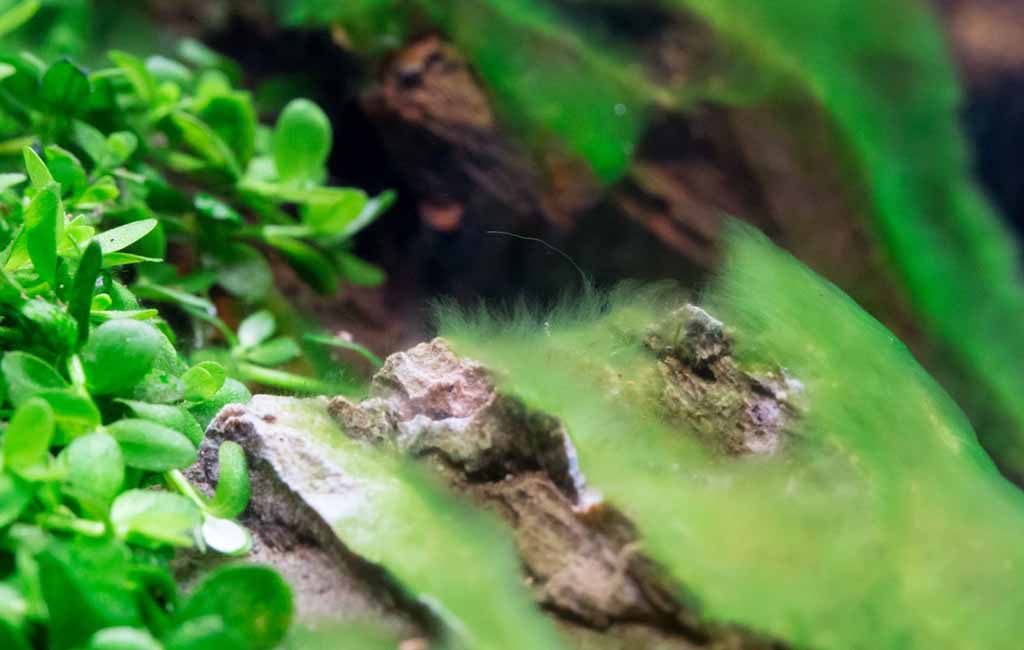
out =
column 175, row 158
column 145, row 183
column 98, row 408
column 879, row 523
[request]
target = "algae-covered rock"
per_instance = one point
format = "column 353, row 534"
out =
column 873, row 520
column 771, row 469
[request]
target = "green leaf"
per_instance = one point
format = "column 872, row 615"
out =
column 311, row 265
column 204, row 633
column 213, row 208
column 42, row 229
column 124, row 259
column 91, row 140
column 65, row 168
column 165, row 69
column 66, row 88
column 15, row 494
column 9, row 180
column 244, row 272
column 151, row 446
column 36, row 168
column 80, row 304
column 233, row 489
column 119, row 354
column 95, row 468
column 102, row 190
column 27, row 439
column 173, row 417
column 358, row 271
column 76, row 414
column 232, row 117
column 156, row 517
column 172, row 295
column 225, row 536
column 204, row 141
column 232, row 392
column 124, row 638
column 301, row 142
column 26, row 375
column 11, row 638
column 256, row 328
column 274, row 352
column 120, row 147
column 346, row 344
column 253, row 601
column 86, row 589
column 17, row 15
column 138, row 76
column 332, row 217
column 124, row 236
column 50, row 325
column 203, row 380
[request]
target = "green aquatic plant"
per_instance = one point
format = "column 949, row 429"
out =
column 173, row 156
column 145, row 184
column 98, row 407
column 879, row 522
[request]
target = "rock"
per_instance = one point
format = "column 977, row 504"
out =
column 318, row 516
column 290, row 525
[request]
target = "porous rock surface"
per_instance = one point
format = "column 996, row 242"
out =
column 580, row 557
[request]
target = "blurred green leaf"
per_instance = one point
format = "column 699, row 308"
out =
column 203, row 380
column 124, row 236
column 95, row 467
column 173, row 417
column 155, row 517
column 76, row 414
column 42, row 229
column 65, row 88
column 119, row 354
column 301, row 142
column 17, row 15
column 25, row 375
column 244, row 271
column 274, row 352
column 80, row 304
column 124, row 638
column 251, row 600
column 233, row 490
column 134, row 69
column 311, row 265
column 205, row 142
column 28, row 435
column 358, row 271
column 256, row 328
column 151, row 446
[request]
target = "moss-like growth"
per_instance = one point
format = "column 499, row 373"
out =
column 877, row 522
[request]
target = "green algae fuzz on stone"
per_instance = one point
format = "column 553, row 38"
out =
column 880, row 69
column 387, row 510
column 878, row 523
